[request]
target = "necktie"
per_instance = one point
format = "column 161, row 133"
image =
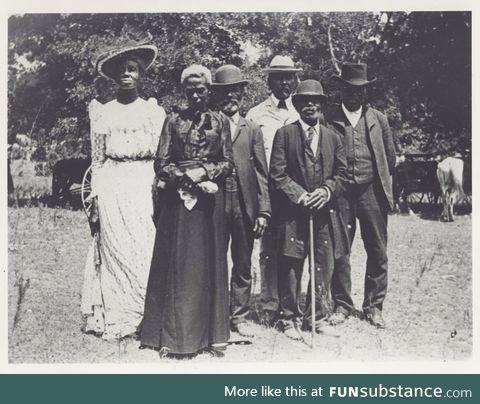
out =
column 282, row 104
column 310, row 134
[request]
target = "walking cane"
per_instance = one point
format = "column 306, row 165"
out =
column 311, row 260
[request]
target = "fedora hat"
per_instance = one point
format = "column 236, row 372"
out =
column 309, row 88
column 228, row 75
column 354, row 74
column 107, row 61
column 282, row 64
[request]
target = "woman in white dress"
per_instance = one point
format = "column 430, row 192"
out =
column 124, row 137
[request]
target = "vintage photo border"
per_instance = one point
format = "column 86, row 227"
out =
column 471, row 365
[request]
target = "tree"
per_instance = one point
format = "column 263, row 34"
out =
column 422, row 61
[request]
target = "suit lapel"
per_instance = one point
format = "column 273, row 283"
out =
column 370, row 119
column 241, row 124
column 299, row 142
column 339, row 120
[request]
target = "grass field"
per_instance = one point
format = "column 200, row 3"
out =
column 428, row 307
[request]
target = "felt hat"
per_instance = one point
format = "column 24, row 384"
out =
column 309, row 88
column 107, row 61
column 282, row 64
column 354, row 74
column 228, row 75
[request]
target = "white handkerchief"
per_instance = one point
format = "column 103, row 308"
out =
column 189, row 200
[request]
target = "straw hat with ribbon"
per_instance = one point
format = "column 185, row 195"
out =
column 106, row 62
column 282, row 64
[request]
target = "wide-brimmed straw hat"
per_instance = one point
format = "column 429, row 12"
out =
column 228, row 75
column 282, row 64
column 107, row 61
column 309, row 88
column 354, row 74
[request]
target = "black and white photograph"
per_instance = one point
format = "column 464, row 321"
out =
column 224, row 187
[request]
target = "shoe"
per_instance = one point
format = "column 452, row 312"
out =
column 213, row 352
column 244, row 329
column 292, row 331
column 321, row 327
column 326, row 329
column 219, row 346
column 375, row 318
column 268, row 318
column 165, row 353
column 339, row 316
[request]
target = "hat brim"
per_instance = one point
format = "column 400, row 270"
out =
column 233, row 83
column 322, row 97
column 355, row 82
column 106, row 63
column 282, row 70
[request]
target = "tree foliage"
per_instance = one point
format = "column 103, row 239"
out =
column 422, row 61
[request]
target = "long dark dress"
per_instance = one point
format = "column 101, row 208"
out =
column 186, row 306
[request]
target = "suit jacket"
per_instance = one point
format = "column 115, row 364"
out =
column 381, row 139
column 288, row 183
column 252, row 168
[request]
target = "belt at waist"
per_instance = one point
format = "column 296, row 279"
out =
column 130, row 159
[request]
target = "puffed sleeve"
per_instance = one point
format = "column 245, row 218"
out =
column 165, row 170
column 97, row 141
column 157, row 120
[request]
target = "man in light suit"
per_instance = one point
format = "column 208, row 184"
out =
column 307, row 174
column 370, row 151
column 273, row 113
column 247, row 196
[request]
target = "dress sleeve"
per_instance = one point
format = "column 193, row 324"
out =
column 157, row 118
column 223, row 165
column 97, row 140
column 165, row 170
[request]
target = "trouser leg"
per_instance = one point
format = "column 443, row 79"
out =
column 341, row 284
column 323, row 275
column 268, row 272
column 289, row 287
column 241, row 249
column 372, row 215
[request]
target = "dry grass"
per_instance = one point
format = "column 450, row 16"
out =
column 428, row 307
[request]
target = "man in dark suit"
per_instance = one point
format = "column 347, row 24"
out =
column 370, row 152
column 307, row 171
column 247, row 195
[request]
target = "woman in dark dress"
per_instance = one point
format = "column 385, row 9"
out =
column 186, row 306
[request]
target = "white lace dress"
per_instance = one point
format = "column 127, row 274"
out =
column 124, row 141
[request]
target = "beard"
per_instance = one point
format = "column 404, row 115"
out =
column 230, row 107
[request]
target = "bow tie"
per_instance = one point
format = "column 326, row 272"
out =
column 282, row 104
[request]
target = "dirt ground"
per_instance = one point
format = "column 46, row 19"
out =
column 428, row 309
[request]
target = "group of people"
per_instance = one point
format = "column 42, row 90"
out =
column 210, row 178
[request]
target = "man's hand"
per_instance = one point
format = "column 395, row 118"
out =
column 318, row 198
column 261, row 224
column 303, row 200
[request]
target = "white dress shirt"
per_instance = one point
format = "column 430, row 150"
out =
column 233, row 121
column 314, row 148
column 270, row 118
column 352, row 116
